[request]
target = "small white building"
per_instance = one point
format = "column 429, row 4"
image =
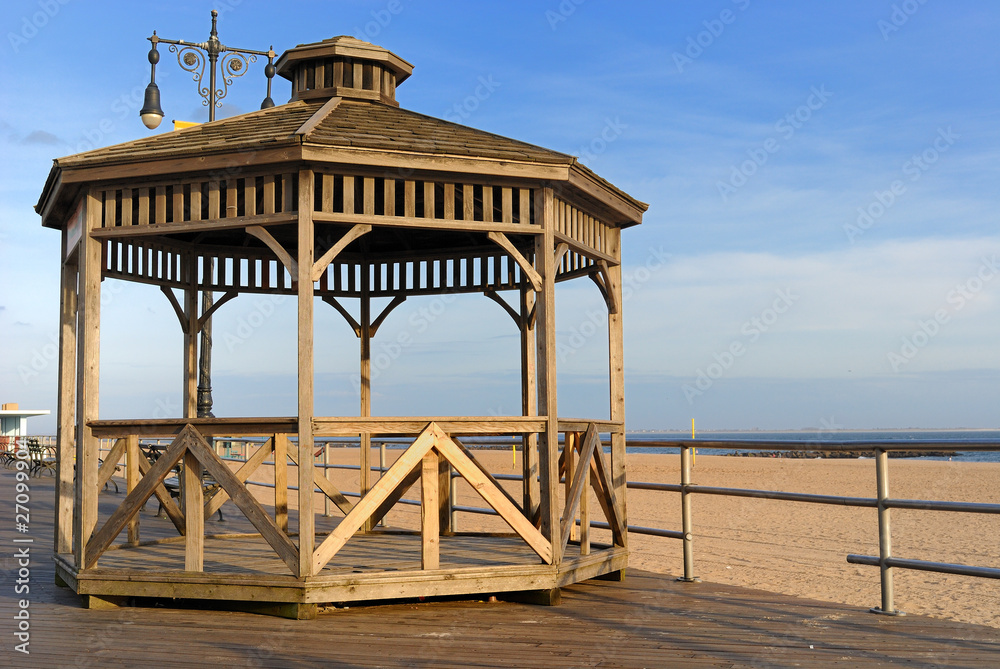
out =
column 14, row 421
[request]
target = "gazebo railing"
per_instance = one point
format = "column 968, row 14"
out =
column 433, row 457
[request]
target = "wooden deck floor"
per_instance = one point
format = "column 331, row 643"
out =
column 648, row 621
column 364, row 553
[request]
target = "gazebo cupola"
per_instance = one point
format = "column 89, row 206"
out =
column 338, row 198
column 343, row 67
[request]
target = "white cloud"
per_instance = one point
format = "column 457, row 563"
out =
column 850, row 308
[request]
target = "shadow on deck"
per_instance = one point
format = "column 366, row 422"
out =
column 649, row 620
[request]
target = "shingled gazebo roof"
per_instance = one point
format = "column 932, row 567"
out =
column 338, row 123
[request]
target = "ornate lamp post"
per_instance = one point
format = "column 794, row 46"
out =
column 235, row 63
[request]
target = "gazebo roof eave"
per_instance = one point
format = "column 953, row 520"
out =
column 607, row 194
column 296, row 134
column 63, row 183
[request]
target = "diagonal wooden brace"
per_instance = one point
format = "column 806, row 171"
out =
column 590, row 442
column 135, row 500
column 220, row 496
column 244, row 500
column 324, row 485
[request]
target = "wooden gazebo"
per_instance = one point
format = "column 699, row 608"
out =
column 337, row 194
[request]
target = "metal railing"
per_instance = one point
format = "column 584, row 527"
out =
column 882, row 502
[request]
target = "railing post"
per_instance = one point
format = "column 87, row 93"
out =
column 326, row 475
column 132, row 478
column 451, row 500
column 884, row 533
column 381, row 473
column 569, row 446
column 689, row 576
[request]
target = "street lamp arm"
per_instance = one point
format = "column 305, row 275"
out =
column 205, row 46
column 191, row 57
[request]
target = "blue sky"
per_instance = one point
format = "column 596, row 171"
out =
column 820, row 249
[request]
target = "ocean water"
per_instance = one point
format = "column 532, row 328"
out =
column 953, row 439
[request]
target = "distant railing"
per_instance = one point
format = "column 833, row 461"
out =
column 45, row 441
column 882, row 502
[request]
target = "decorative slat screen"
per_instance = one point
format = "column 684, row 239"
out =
column 204, row 200
column 410, row 198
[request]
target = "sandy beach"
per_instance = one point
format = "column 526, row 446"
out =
column 792, row 548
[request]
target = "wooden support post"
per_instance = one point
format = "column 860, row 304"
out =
column 190, row 394
column 88, row 377
column 546, row 344
column 132, row 477
column 194, row 514
column 191, row 485
column 444, row 496
column 364, row 476
column 616, row 363
column 546, row 597
column 430, row 530
column 93, row 602
column 66, row 431
column 306, row 253
column 569, row 451
column 585, row 518
column 529, row 402
column 290, row 611
column 281, row 481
